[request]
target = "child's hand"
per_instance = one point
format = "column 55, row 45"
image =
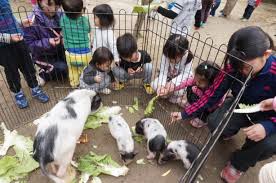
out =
column 170, row 87
column 139, row 69
column 16, row 38
column 54, row 41
column 27, row 23
column 267, row 105
column 98, row 78
column 130, row 71
column 255, row 132
column 161, row 91
column 175, row 116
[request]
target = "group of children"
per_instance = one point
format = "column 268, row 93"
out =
column 92, row 67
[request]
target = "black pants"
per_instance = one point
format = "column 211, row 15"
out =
column 248, row 11
column 251, row 152
column 197, row 18
column 191, row 98
column 206, row 6
column 13, row 57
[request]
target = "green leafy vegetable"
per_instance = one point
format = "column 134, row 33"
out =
column 143, row 8
column 94, row 165
column 16, row 167
column 140, row 162
column 150, row 107
column 130, row 109
column 138, row 138
column 96, row 120
column 96, row 180
column 244, row 106
column 136, row 104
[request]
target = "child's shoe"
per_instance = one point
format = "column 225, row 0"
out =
column 118, row 86
column 244, row 20
column 229, row 174
column 105, row 91
column 21, row 100
column 197, row 28
column 38, row 94
column 149, row 89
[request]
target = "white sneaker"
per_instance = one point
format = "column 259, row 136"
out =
column 40, row 80
column 105, row 91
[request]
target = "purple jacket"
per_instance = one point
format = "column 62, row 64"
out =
column 37, row 37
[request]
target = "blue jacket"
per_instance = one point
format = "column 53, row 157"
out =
column 8, row 23
column 259, row 88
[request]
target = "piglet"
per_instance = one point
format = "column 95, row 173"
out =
column 120, row 131
column 180, row 150
column 155, row 134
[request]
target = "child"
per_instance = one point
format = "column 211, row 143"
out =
column 44, row 41
column 205, row 74
column 182, row 13
column 134, row 63
column 104, row 35
column 254, row 46
column 75, row 29
column 176, row 66
column 252, row 4
column 97, row 75
column 14, row 55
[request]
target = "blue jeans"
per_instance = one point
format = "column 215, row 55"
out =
column 215, row 7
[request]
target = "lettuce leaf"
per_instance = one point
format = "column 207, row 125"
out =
column 94, row 165
column 136, row 104
column 102, row 116
column 150, row 107
column 138, row 138
column 16, row 167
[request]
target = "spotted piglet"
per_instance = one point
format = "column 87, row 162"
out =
column 120, row 131
column 180, row 150
column 155, row 134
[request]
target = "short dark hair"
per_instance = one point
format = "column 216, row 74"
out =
column 105, row 14
column 101, row 56
column 208, row 70
column 73, row 8
column 246, row 44
column 176, row 46
column 50, row 2
column 126, row 45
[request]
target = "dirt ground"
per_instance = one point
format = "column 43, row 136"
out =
column 219, row 29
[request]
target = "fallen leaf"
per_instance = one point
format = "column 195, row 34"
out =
column 166, row 173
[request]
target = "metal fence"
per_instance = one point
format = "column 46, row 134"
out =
column 154, row 31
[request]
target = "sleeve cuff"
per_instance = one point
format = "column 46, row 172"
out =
column 184, row 115
column 269, row 126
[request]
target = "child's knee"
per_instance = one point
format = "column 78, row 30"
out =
column 147, row 67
